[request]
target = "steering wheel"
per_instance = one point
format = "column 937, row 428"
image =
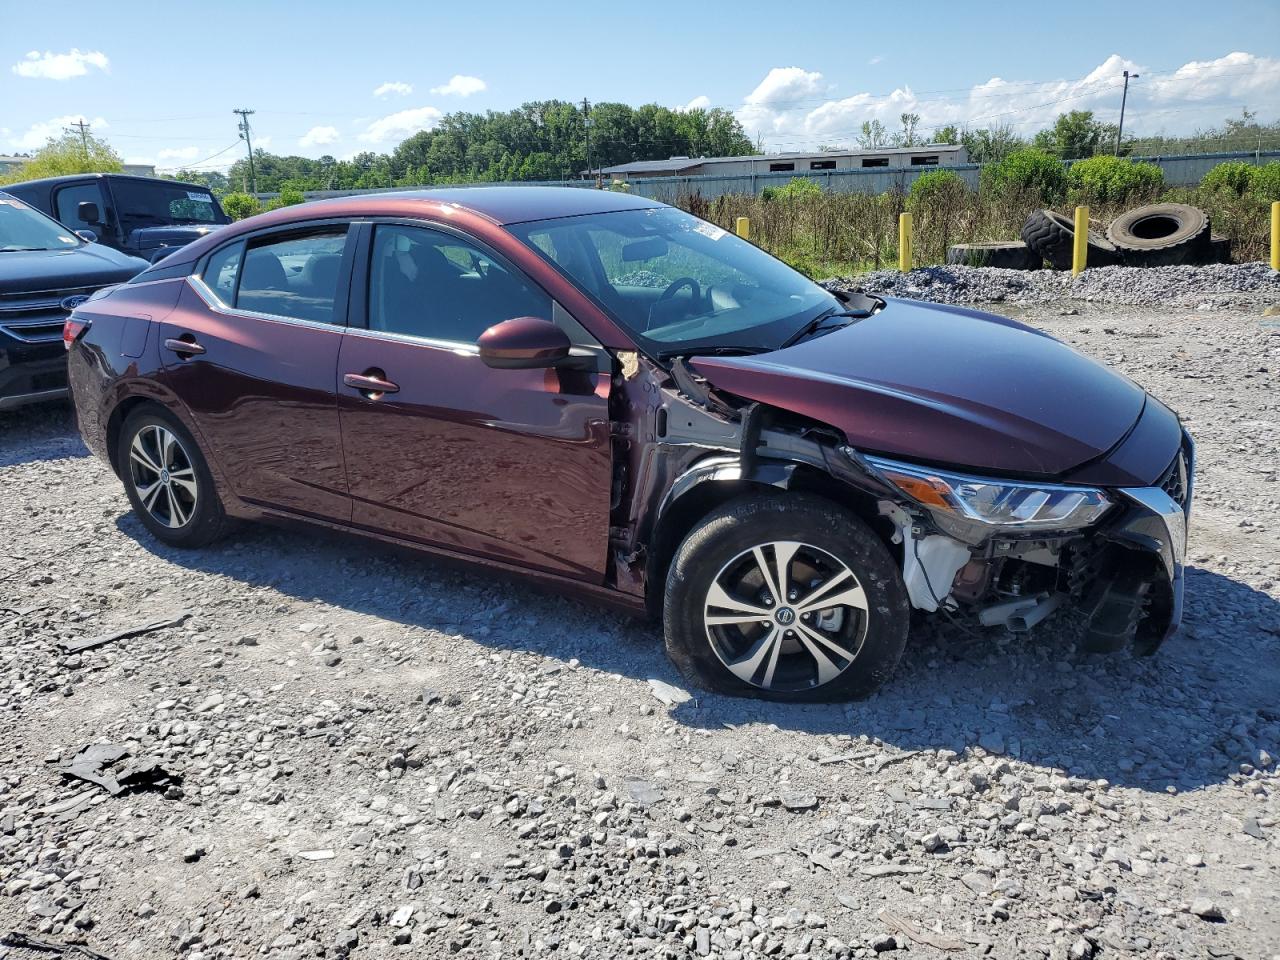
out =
column 672, row 289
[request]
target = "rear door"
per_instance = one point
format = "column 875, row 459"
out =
column 511, row 465
column 252, row 351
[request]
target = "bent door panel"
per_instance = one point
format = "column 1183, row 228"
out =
column 512, row 465
column 262, row 392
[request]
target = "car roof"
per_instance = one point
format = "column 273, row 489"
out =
column 501, row 205
column 67, row 178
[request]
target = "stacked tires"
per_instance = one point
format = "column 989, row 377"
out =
column 1157, row 235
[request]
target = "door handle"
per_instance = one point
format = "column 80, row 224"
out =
column 181, row 347
column 372, row 383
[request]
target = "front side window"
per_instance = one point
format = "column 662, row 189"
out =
column 294, row 276
column 678, row 283
column 68, row 200
column 429, row 284
column 223, row 270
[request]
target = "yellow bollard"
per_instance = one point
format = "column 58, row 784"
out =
column 904, row 242
column 742, row 227
column 1080, row 252
column 1275, row 235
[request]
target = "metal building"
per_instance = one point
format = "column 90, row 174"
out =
column 893, row 158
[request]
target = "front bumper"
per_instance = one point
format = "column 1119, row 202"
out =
column 31, row 372
column 1138, row 594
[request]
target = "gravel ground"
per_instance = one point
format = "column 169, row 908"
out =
column 1203, row 288
column 369, row 753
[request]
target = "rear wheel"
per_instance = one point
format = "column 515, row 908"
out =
column 785, row 598
column 167, row 480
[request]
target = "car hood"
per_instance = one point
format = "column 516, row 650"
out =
column 172, row 235
column 90, row 265
column 945, row 385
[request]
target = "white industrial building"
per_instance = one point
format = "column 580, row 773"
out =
column 931, row 155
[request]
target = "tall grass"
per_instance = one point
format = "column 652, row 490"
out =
column 834, row 234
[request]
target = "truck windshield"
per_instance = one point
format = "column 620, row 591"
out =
column 677, row 283
column 150, row 203
column 22, row 228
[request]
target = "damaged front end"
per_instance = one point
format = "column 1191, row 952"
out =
column 1007, row 553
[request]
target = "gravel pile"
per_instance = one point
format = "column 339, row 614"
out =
column 334, row 750
column 1206, row 287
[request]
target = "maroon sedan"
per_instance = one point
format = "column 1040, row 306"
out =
column 609, row 395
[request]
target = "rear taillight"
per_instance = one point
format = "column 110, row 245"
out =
column 72, row 329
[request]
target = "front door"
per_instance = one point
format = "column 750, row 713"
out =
column 511, row 465
column 252, row 350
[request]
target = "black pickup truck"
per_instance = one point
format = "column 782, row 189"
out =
column 46, row 271
column 142, row 216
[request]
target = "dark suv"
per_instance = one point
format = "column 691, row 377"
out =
column 610, row 395
column 142, row 216
column 45, row 271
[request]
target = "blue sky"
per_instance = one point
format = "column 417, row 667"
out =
column 160, row 81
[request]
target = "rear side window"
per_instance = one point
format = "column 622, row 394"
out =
column 294, row 276
column 222, row 271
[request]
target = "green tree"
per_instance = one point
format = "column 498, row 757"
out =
column 240, row 205
column 873, row 135
column 1031, row 172
column 1107, row 179
column 1075, row 135
column 991, row 144
column 69, row 153
column 907, row 136
column 1234, row 177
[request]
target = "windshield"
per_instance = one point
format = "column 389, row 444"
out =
column 677, row 283
column 22, row 228
column 150, row 203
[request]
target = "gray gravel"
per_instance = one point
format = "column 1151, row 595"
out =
column 379, row 755
column 1209, row 287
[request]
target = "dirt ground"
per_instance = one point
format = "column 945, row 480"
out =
column 376, row 754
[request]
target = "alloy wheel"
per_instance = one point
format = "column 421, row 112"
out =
column 162, row 476
column 786, row 616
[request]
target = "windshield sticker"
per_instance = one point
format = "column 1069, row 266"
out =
column 709, row 230
column 202, row 197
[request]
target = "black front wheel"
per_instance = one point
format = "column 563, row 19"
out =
column 786, row 597
column 167, row 479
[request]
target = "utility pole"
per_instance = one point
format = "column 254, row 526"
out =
column 586, row 126
column 84, row 134
column 1123, row 98
column 244, row 135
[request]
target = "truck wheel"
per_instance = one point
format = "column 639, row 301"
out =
column 167, row 480
column 785, row 597
column 1161, row 235
column 1011, row 255
column 1052, row 235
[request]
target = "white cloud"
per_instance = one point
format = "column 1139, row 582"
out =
column 398, row 87
column 788, row 107
column 874, row 60
column 460, row 86
column 398, row 126
column 697, row 103
column 178, row 153
column 318, row 137
column 38, row 133
column 60, row 66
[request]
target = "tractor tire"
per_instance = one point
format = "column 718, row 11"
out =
column 1052, row 235
column 1161, row 235
column 1011, row 255
column 1219, row 249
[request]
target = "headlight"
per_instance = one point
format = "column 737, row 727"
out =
column 1001, row 503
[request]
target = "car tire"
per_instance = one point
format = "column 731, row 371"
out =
column 1161, row 235
column 1007, row 255
column 168, row 481
column 1052, row 235
column 718, row 574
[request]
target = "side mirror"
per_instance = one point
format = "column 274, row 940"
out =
column 88, row 236
column 523, row 343
column 87, row 212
